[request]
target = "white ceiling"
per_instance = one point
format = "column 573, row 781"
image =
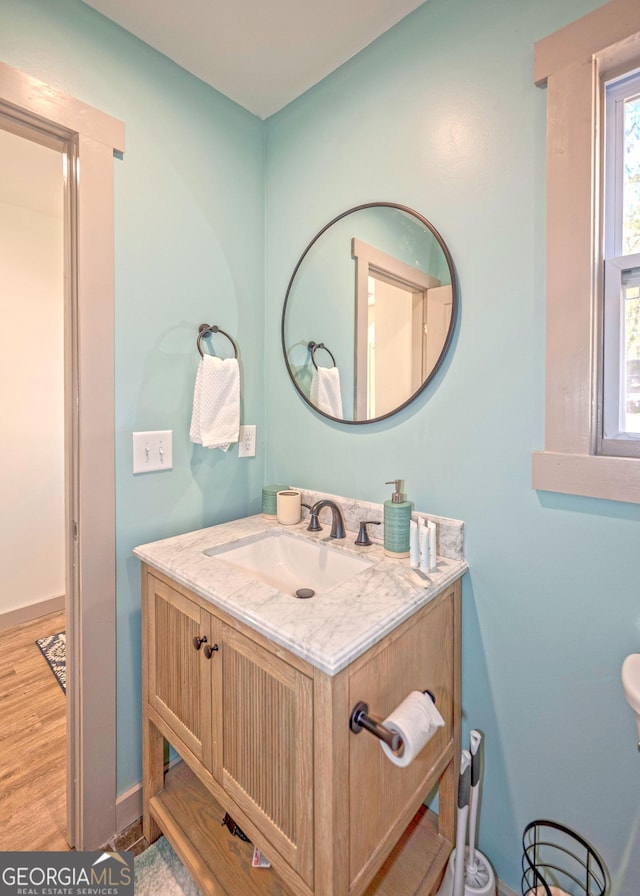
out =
column 260, row 53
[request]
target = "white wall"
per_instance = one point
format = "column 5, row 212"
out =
column 31, row 371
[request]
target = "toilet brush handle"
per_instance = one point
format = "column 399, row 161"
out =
column 464, row 786
column 472, row 865
column 476, row 748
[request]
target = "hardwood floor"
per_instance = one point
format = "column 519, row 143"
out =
column 32, row 742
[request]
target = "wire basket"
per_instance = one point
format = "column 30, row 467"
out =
column 558, row 862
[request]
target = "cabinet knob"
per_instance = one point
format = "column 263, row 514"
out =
column 209, row 651
column 198, row 642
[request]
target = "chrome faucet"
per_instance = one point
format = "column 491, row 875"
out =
column 337, row 521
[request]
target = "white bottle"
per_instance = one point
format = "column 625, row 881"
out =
column 424, row 546
column 431, row 526
column 414, row 546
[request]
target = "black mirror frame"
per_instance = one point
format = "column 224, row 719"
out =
column 452, row 325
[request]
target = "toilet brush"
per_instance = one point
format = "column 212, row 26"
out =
column 453, row 881
column 475, row 748
column 468, row 873
column 479, row 877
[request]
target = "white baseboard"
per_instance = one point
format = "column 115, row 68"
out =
column 33, row 611
column 504, row 890
column 129, row 807
column 129, row 804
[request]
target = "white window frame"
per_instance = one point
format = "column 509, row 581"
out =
column 572, row 64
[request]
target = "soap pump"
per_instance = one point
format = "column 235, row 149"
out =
column 397, row 521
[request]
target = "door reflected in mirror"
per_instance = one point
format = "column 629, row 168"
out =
column 369, row 313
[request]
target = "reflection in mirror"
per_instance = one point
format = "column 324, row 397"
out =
column 369, row 313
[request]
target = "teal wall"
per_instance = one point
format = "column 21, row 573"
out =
column 189, row 219
column 441, row 114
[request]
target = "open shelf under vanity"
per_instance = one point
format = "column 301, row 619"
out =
column 191, row 820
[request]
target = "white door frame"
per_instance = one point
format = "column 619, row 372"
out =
column 33, row 109
column 373, row 262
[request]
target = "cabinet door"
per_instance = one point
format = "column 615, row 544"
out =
column 380, row 793
column 179, row 673
column 267, row 757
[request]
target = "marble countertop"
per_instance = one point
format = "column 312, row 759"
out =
column 329, row 630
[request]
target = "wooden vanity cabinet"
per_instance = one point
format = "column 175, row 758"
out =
column 265, row 736
column 238, row 714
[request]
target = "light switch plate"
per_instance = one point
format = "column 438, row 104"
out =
column 152, row 451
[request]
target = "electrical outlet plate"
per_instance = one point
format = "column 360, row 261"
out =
column 152, row 451
column 247, row 441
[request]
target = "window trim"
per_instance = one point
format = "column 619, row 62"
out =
column 571, row 63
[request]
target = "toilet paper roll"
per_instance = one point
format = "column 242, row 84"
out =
column 416, row 720
column 288, row 507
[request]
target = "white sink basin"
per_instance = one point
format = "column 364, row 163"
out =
column 290, row 562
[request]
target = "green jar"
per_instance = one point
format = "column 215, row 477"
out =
column 269, row 501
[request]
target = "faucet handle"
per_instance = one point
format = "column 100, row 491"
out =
column 363, row 535
column 314, row 523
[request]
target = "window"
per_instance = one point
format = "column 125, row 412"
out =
column 573, row 64
column 621, row 297
column 622, row 164
column 621, row 362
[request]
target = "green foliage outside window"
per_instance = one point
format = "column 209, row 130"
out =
column 631, row 205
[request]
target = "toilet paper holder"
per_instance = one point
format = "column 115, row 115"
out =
column 360, row 719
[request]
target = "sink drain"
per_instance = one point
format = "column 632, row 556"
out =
column 305, row 592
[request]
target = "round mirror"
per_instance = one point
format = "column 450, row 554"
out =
column 369, row 312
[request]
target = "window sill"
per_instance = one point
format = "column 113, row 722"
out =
column 591, row 475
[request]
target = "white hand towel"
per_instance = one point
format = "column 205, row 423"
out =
column 215, row 420
column 325, row 391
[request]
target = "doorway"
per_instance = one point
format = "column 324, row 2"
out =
column 403, row 316
column 33, row 546
column 87, row 139
column 32, row 367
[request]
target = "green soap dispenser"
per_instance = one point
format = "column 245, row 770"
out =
column 397, row 519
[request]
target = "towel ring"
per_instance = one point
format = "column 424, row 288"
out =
column 312, row 346
column 204, row 330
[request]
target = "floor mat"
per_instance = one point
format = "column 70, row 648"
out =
column 159, row 872
column 54, row 650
